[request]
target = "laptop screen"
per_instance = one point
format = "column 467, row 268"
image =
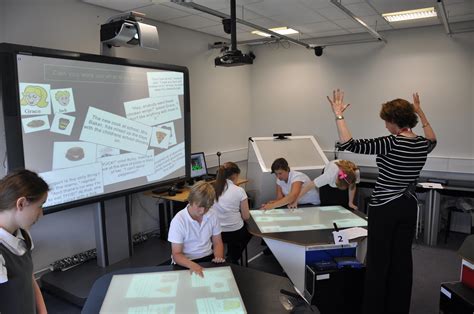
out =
column 198, row 165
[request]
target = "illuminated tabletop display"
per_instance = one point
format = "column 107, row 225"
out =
column 174, row 292
column 307, row 218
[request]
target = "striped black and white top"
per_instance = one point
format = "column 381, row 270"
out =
column 399, row 159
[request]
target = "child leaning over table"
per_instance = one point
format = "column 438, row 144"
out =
column 22, row 195
column 195, row 232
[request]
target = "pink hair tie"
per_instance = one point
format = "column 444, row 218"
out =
column 342, row 175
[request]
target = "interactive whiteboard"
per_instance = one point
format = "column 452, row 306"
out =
column 95, row 127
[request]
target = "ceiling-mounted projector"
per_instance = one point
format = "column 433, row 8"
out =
column 232, row 58
column 126, row 29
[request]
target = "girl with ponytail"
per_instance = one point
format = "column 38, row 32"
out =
column 232, row 209
column 340, row 174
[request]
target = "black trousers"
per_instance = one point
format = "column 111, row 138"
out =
column 236, row 242
column 389, row 272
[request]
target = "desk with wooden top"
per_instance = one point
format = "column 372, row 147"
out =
column 181, row 197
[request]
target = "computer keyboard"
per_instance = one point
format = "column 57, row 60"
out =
column 161, row 189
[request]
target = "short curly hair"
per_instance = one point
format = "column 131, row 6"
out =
column 399, row 111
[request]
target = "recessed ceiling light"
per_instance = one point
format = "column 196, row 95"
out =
column 279, row 30
column 410, row 15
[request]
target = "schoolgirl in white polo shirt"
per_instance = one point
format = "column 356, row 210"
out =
column 195, row 232
column 232, row 209
column 340, row 174
column 289, row 185
column 22, row 195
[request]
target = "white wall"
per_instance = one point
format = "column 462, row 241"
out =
column 289, row 88
column 72, row 25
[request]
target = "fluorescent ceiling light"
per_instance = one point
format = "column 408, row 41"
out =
column 410, row 15
column 279, row 30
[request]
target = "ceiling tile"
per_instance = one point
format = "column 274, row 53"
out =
column 297, row 15
column 192, row 22
column 447, row 2
column 211, row 17
column 361, row 9
column 162, row 12
column 265, row 22
column 347, row 23
column 318, row 27
column 315, row 5
column 461, row 18
column 332, row 13
column 120, row 5
column 215, row 4
column 460, row 9
column 214, row 30
column 357, row 30
column 191, row 11
column 328, row 33
column 270, row 8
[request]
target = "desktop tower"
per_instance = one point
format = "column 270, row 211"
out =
column 335, row 291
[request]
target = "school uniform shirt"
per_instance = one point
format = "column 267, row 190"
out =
column 329, row 177
column 16, row 271
column 195, row 236
column 228, row 207
column 312, row 197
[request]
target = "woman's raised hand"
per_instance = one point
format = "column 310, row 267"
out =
column 416, row 102
column 337, row 102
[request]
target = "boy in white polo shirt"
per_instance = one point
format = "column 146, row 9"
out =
column 195, row 232
column 289, row 185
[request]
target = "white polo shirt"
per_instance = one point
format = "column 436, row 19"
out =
column 228, row 207
column 195, row 236
column 312, row 197
column 329, row 177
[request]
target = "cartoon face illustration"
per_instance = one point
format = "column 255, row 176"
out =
column 63, row 97
column 34, row 96
column 32, row 99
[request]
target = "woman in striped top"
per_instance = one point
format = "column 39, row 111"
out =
column 393, row 205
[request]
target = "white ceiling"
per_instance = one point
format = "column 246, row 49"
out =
column 313, row 18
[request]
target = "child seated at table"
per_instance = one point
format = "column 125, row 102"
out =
column 195, row 232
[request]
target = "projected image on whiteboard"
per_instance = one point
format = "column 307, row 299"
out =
column 307, row 218
column 124, row 124
column 174, row 292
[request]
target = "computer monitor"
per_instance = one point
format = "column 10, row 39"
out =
column 198, row 165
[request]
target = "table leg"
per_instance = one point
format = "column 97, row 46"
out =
column 162, row 218
column 435, row 217
column 432, row 212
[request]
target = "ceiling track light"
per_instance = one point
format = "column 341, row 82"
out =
column 369, row 29
column 444, row 17
column 198, row 7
